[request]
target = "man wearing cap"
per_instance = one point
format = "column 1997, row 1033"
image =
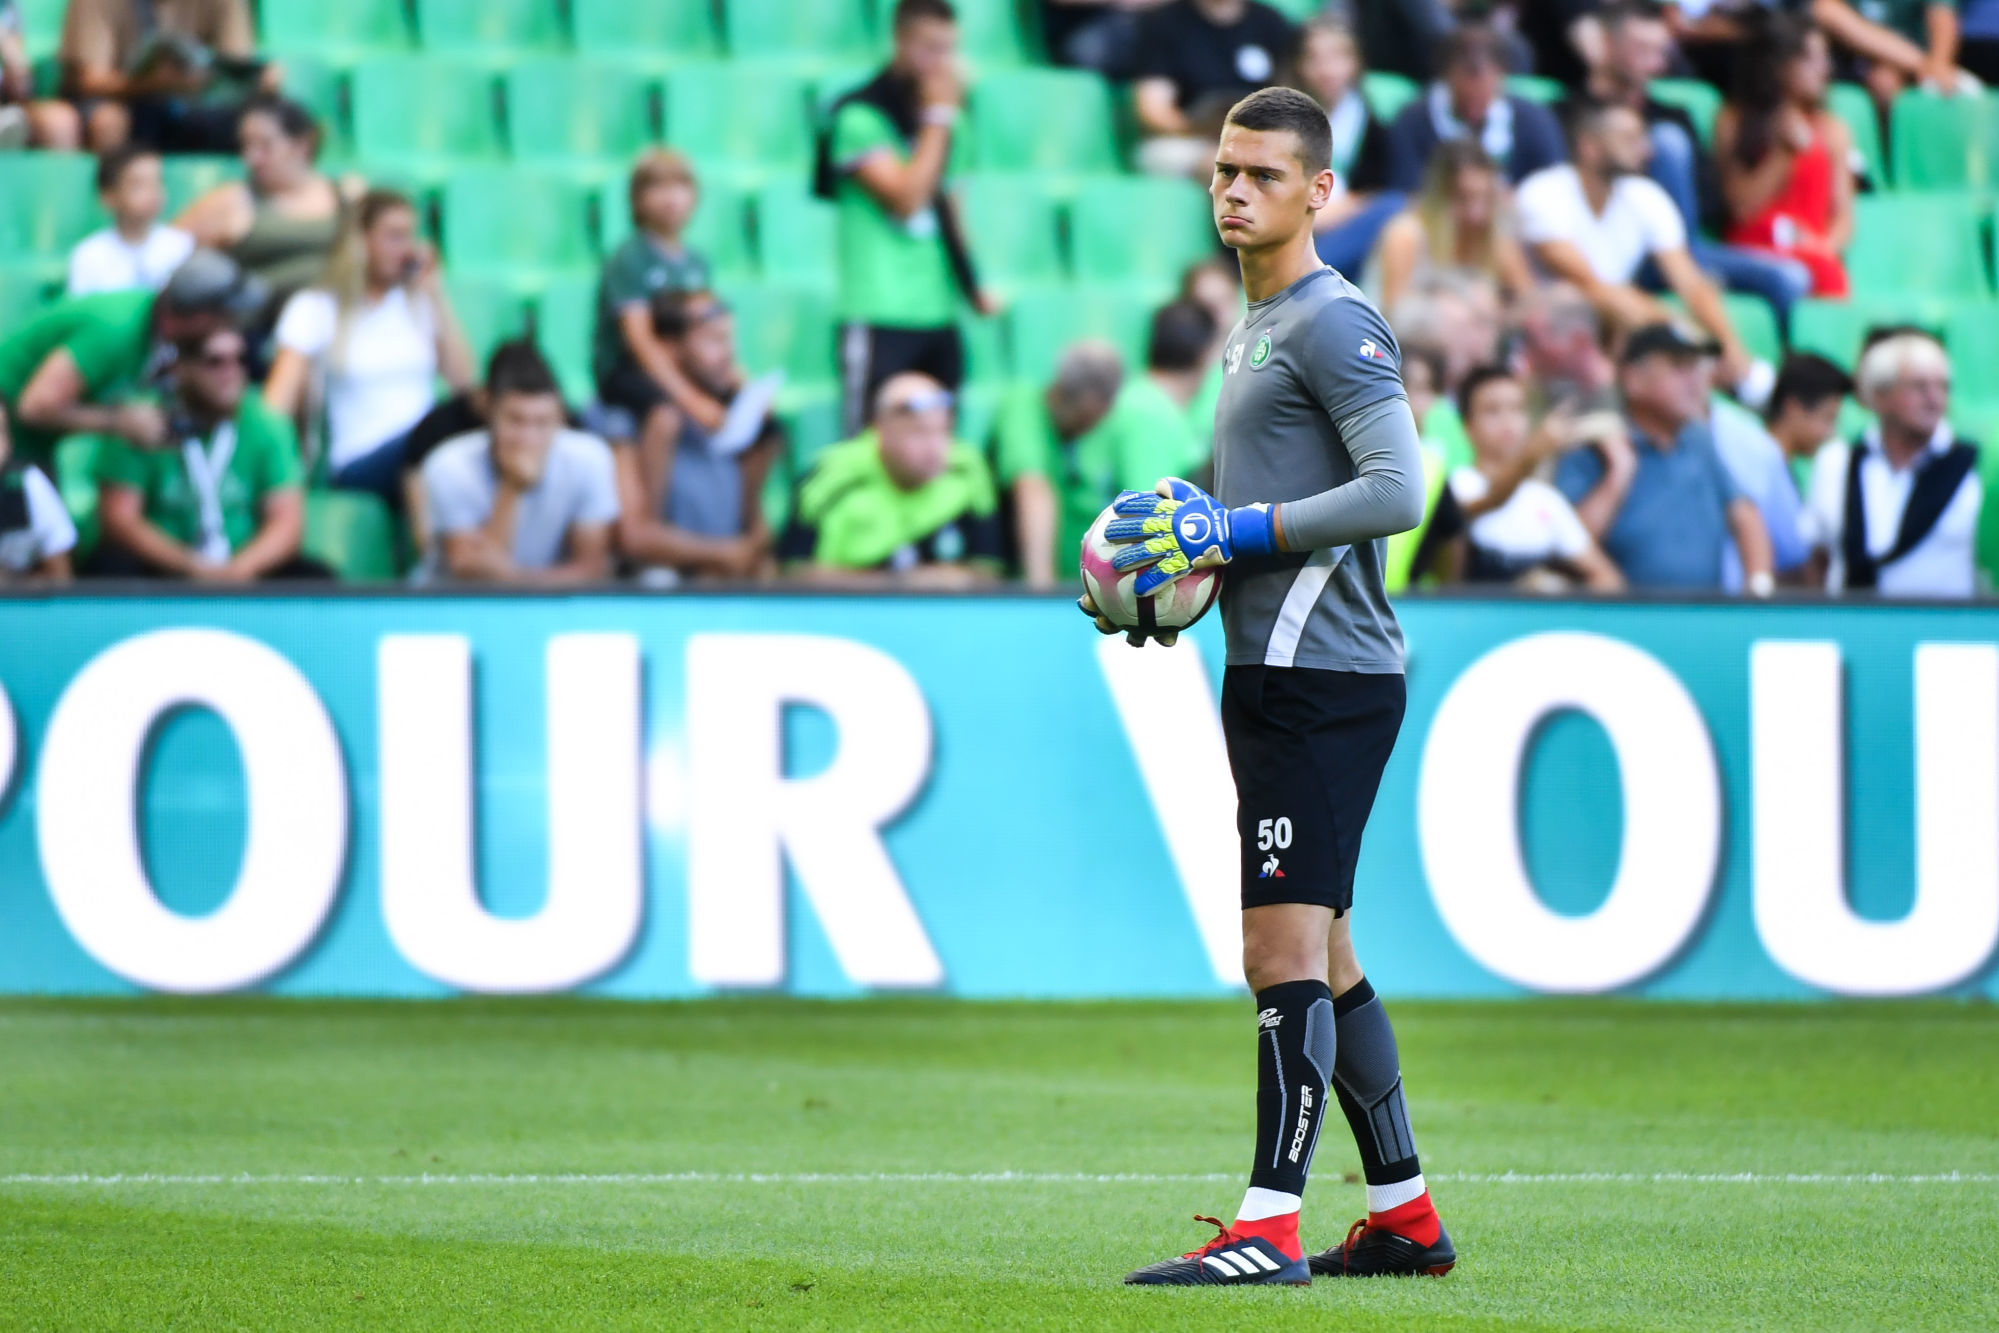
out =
column 80, row 365
column 1661, row 503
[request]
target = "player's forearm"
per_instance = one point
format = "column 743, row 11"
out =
column 1385, row 496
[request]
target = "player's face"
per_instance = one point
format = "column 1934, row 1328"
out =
column 1262, row 193
column 1498, row 422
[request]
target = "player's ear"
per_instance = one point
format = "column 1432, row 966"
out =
column 1322, row 190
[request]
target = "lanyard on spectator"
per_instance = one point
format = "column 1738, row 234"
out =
column 205, row 468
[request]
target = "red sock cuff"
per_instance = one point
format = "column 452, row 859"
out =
column 1281, row 1231
column 1416, row 1220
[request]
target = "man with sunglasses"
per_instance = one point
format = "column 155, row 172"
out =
column 902, row 504
column 223, row 501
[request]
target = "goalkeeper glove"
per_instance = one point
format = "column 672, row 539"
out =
column 1135, row 637
column 1180, row 528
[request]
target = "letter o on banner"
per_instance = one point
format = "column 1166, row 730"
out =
column 87, row 794
column 1468, row 800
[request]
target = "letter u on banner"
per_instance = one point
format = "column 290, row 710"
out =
column 1802, row 913
column 596, row 887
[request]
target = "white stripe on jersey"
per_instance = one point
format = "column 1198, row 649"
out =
column 1306, row 590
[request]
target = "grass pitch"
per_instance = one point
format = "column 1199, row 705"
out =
column 770, row 1164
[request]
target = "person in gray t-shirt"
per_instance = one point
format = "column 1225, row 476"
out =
column 526, row 501
column 1316, row 465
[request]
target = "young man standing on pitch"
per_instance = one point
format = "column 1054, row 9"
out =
column 1316, row 463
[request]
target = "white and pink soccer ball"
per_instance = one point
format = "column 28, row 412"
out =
column 1174, row 606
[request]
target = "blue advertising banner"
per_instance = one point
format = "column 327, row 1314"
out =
column 666, row 796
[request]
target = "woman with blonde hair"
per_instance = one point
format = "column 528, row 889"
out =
column 1461, row 222
column 369, row 342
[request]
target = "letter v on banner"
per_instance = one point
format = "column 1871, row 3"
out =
column 1185, row 770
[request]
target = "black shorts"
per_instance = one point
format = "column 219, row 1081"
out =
column 871, row 353
column 630, row 388
column 1307, row 748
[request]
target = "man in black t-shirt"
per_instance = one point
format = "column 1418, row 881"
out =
column 1195, row 59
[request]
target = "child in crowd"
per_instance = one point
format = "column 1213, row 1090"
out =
column 137, row 249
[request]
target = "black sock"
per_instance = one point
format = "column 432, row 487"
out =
column 1368, row 1078
column 1294, row 1065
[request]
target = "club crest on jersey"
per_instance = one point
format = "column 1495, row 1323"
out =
column 1261, row 354
column 1371, row 350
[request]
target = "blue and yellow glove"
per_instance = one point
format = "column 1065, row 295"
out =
column 1180, row 528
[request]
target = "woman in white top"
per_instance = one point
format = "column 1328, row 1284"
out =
column 371, row 342
column 1461, row 222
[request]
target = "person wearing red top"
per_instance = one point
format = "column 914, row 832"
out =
column 1784, row 157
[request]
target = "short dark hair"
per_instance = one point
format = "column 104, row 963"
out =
column 1475, row 42
column 1587, row 114
column 909, row 11
column 1181, row 332
column 1431, row 357
column 1477, row 378
column 1289, row 109
column 1617, row 13
column 517, row 366
column 293, row 120
column 1808, row 380
column 673, row 311
column 112, row 162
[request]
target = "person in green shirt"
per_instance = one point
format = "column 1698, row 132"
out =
column 1035, row 432
column 904, row 269
column 228, row 505
column 1060, row 483
column 901, row 505
column 89, row 365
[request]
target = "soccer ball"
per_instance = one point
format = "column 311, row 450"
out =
column 1174, row 606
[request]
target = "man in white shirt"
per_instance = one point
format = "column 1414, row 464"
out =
column 1896, row 511
column 1597, row 222
column 136, row 251
column 527, row 501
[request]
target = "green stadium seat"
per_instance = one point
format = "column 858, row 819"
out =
column 48, row 202
column 985, row 349
column 806, row 32
column 1972, row 334
column 1537, row 88
column 23, row 291
column 497, row 30
column 1699, row 99
column 1938, row 143
column 1140, row 229
column 76, row 469
column 656, row 35
column 978, row 409
column 565, row 328
column 584, row 115
column 343, row 31
column 41, row 27
column 1854, row 105
column 1043, row 322
column 1297, row 10
column 1916, row 244
column 811, row 417
column 786, row 328
column 1756, row 324
column 1044, row 120
column 1834, row 329
column 189, row 176
column 750, row 118
column 522, row 225
column 719, row 230
column 989, row 31
column 1387, row 93
column 1011, row 227
column 490, row 311
column 797, row 235
column 320, row 86
column 419, row 117
column 353, row 533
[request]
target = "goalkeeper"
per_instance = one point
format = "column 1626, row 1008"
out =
column 1316, row 463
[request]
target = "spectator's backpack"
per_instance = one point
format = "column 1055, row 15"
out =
column 895, row 98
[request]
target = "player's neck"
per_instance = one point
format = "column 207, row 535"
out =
column 1268, row 270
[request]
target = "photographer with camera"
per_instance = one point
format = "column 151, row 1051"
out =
column 223, row 501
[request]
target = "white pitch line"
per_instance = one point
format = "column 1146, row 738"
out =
column 996, row 1178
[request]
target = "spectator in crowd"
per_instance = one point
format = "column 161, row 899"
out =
column 1598, row 222
column 1462, row 223
column 1902, row 44
column 1196, row 59
column 1761, row 471
column 1521, row 529
column 1632, row 47
column 1659, row 500
column 635, row 373
column 1470, row 101
column 525, row 501
column 904, row 268
column 1566, row 38
column 1803, row 412
column 370, row 342
column 1896, row 511
column 1978, row 45
column 901, row 505
column 1326, row 66
column 228, row 505
column 691, row 498
column 1459, row 313
column 27, row 121
column 1038, row 434
column 1784, row 156
column 136, row 250
column 83, row 365
column 1101, row 35
column 1400, row 36
column 36, row 533
column 1561, row 349
column 146, row 70
column 281, row 222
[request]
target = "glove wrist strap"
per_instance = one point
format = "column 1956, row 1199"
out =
column 1253, row 530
